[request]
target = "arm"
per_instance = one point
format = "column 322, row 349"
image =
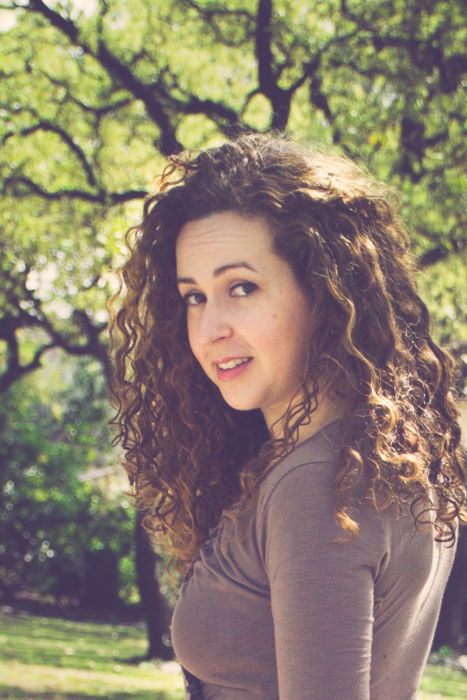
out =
column 321, row 592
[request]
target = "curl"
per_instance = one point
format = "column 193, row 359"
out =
column 188, row 454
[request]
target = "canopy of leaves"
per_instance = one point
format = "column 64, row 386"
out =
column 95, row 93
column 55, row 525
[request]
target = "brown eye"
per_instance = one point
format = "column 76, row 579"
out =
column 243, row 289
column 193, row 298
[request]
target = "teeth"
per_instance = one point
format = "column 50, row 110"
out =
column 232, row 363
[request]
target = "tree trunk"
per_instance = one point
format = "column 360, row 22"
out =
column 101, row 580
column 452, row 630
column 155, row 608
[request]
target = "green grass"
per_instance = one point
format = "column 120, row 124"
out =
column 52, row 659
column 441, row 682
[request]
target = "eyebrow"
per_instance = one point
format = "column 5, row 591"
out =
column 218, row 271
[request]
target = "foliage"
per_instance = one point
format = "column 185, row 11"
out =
column 442, row 285
column 94, row 93
column 54, row 523
column 442, row 682
column 93, row 96
column 53, row 658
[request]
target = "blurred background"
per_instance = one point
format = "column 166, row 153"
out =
column 94, row 94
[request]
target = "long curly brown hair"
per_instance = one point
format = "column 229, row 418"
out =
column 189, row 455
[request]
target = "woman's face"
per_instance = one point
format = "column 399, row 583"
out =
column 248, row 319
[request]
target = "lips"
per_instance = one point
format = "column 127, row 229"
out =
column 231, row 367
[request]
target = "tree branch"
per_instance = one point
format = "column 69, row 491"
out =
column 119, row 71
column 212, row 109
column 22, row 186
column 441, row 251
column 45, row 125
column 221, row 10
column 280, row 99
column 426, row 53
column 14, row 370
column 12, row 322
column 97, row 111
column 241, row 18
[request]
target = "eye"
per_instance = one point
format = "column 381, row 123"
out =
column 243, row 289
column 193, row 298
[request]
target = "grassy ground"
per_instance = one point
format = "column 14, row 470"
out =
column 52, row 659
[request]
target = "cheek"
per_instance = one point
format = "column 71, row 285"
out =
column 193, row 337
column 297, row 334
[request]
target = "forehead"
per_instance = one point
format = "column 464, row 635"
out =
column 223, row 235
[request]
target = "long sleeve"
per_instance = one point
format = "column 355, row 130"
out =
column 322, row 592
column 277, row 610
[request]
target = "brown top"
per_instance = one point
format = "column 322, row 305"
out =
column 275, row 609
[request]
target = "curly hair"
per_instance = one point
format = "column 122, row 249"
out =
column 188, row 454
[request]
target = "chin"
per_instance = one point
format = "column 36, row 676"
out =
column 239, row 404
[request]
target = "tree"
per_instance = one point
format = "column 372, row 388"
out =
column 91, row 99
column 56, row 528
column 94, row 95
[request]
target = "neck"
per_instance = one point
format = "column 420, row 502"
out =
column 326, row 412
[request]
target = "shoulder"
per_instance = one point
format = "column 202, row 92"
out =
column 311, row 465
column 297, row 506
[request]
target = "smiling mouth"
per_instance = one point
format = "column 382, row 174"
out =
column 231, row 364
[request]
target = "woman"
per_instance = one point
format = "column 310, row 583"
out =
column 288, row 425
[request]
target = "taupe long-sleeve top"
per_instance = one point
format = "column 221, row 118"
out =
column 275, row 609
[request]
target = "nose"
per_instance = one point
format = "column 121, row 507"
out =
column 212, row 325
